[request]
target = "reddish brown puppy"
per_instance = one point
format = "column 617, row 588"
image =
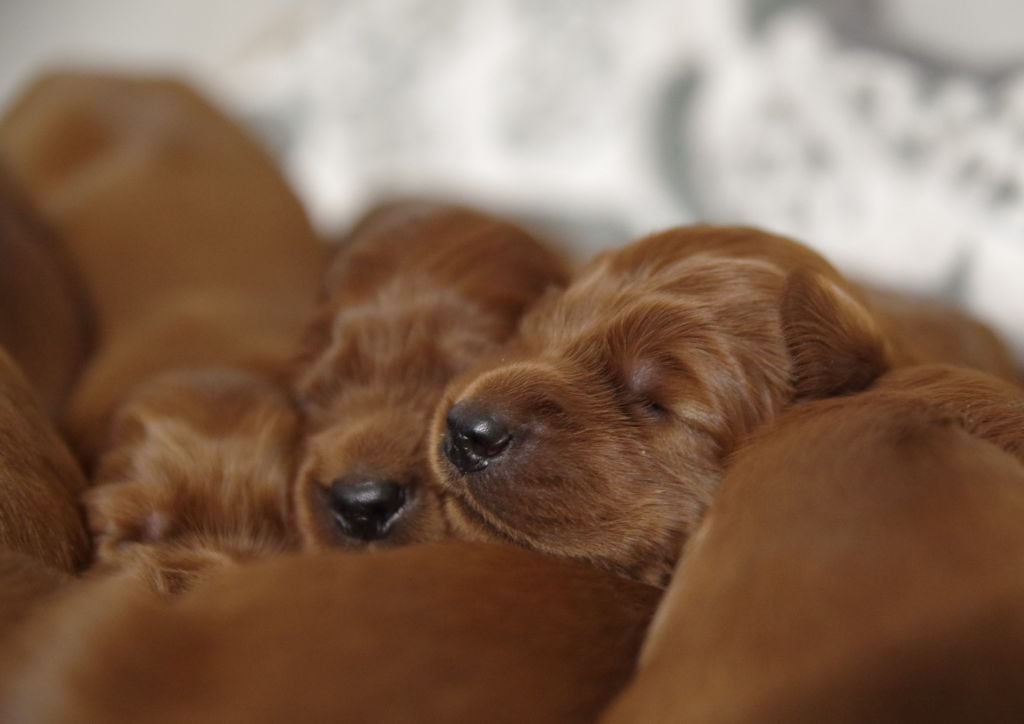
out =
column 44, row 324
column 433, row 633
column 43, row 539
column 202, row 269
column 43, row 339
column 418, row 293
column 603, row 430
column 188, row 243
column 860, row 563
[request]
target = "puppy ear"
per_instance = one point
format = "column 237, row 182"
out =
column 834, row 342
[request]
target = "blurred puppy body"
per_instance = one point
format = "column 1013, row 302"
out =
column 202, row 269
column 43, row 318
column 930, row 330
column 602, row 431
column 188, row 242
column 472, row 633
column 43, row 538
column 39, row 481
column 861, row 562
column 417, row 294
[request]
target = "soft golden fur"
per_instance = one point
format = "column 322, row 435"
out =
column 445, row 632
column 417, row 293
column 610, row 418
column 188, row 242
column 44, row 324
column 861, row 562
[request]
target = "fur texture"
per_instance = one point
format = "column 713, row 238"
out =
column 198, row 479
column 860, row 563
column 417, row 294
column 622, row 398
column 40, row 481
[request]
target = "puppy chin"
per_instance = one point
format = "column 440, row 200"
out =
column 465, row 516
column 468, row 521
column 479, row 510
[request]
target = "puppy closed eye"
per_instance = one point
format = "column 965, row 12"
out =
column 650, row 406
column 643, row 398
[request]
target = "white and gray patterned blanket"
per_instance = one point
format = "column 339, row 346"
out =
column 888, row 133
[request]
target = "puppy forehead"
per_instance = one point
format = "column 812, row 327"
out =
column 664, row 287
column 637, row 347
column 401, row 342
column 397, row 424
column 620, row 328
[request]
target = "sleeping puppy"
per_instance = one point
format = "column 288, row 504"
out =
column 43, row 339
column 188, row 242
column 43, row 317
column 861, row 562
column 602, row 431
column 435, row 633
column 417, row 294
column 202, row 269
column 198, row 478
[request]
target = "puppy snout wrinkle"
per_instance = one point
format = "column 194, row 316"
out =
column 475, row 437
column 365, row 508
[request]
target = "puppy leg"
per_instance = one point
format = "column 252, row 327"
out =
column 196, row 476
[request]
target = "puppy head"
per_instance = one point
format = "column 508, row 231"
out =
column 603, row 431
column 196, row 477
column 363, row 480
column 418, row 295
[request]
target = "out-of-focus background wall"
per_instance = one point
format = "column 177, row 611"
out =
column 887, row 133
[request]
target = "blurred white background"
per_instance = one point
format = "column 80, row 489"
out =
column 887, row 133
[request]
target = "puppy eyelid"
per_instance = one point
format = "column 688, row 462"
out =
column 639, row 381
column 653, row 407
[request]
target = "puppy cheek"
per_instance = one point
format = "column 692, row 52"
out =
column 439, row 468
column 462, row 525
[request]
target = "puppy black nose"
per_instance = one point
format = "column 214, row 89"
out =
column 474, row 437
column 366, row 508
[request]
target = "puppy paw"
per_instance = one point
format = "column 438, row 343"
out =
column 124, row 513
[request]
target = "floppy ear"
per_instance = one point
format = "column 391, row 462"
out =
column 835, row 344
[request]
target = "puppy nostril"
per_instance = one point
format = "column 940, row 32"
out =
column 488, row 436
column 474, row 437
column 366, row 509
